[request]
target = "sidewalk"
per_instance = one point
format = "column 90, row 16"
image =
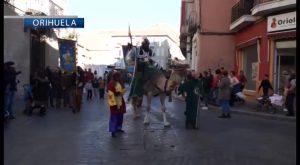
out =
column 252, row 109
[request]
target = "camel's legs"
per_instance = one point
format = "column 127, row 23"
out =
column 135, row 102
column 163, row 108
column 149, row 98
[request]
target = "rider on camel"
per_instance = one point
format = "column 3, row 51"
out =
column 143, row 62
column 143, row 57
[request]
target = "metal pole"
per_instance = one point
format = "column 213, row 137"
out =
column 76, row 83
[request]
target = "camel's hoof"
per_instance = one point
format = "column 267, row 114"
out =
column 167, row 124
column 136, row 117
column 146, row 121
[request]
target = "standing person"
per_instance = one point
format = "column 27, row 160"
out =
column 224, row 95
column 95, row 84
column 109, row 77
column 66, row 85
column 206, row 89
column 77, row 90
column 189, row 91
column 214, row 87
column 291, row 94
column 89, row 76
column 116, row 103
column 266, row 85
column 210, row 77
column 200, row 79
column 222, row 69
column 101, row 88
column 89, row 88
column 57, row 86
column 51, row 92
column 41, row 91
column 105, row 77
column 10, row 84
column 243, row 80
column 235, row 87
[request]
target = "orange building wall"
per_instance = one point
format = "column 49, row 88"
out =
column 216, row 50
column 216, row 15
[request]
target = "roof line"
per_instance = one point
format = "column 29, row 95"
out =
column 145, row 35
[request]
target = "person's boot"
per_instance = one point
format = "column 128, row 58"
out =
column 30, row 110
column 113, row 135
column 228, row 115
column 42, row 111
column 121, row 131
column 222, row 116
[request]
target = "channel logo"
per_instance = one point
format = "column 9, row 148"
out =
column 54, row 22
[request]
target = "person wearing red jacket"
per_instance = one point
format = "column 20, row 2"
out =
column 89, row 76
column 215, row 88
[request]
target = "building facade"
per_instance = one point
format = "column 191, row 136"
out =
column 31, row 49
column 265, row 41
column 205, row 38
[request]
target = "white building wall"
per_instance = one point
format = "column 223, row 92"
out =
column 82, row 58
column 17, row 42
column 17, row 47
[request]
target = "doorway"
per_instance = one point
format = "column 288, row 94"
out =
column 37, row 52
column 285, row 63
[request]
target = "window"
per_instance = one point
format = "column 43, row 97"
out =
column 250, row 66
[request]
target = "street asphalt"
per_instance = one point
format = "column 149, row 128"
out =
column 64, row 138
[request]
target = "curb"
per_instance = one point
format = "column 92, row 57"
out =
column 266, row 116
column 254, row 114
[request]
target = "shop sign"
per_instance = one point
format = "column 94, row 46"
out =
column 282, row 22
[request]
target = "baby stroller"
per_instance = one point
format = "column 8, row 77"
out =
column 272, row 102
column 30, row 104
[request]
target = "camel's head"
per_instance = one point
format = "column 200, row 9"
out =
column 177, row 75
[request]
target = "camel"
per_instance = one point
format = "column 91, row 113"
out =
column 160, row 85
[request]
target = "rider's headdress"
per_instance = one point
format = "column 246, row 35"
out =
column 145, row 41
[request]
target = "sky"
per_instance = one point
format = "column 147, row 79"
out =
column 118, row 14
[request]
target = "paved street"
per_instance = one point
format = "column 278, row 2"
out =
column 63, row 138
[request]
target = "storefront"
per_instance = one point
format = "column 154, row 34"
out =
column 252, row 55
column 267, row 47
column 282, row 40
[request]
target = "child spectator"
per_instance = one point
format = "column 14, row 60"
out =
column 117, row 106
column 89, row 88
column 266, row 85
column 101, row 88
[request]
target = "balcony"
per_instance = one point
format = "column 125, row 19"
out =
column 265, row 7
column 241, row 15
column 243, row 7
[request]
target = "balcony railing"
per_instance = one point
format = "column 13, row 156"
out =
column 257, row 2
column 243, row 7
column 267, row 7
